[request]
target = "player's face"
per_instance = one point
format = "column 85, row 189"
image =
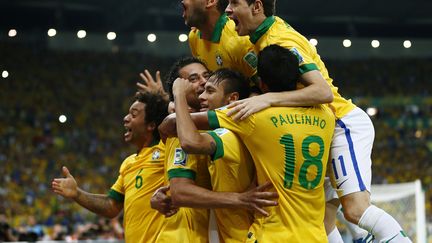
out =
column 137, row 129
column 213, row 96
column 241, row 13
column 194, row 12
column 197, row 75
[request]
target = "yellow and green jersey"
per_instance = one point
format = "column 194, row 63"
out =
column 275, row 30
column 226, row 49
column 188, row 224
column 290, row 147
column 140, row 175
column 231, row 170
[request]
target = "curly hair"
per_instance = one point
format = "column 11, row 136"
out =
column 156, row 108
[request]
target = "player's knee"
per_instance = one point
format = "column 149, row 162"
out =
column 352, row 214
column 354, row 206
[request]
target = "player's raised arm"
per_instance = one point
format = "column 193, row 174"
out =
column 191, row 140
column 149, row 84
column 98, row 203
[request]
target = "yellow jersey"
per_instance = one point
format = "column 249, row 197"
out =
column 140, row 175
column 275, row 30
column 231, row 170
column 226, row 49
column 188, row 224
column 290, row 147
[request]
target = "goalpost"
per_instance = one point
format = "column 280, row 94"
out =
column 406, row 203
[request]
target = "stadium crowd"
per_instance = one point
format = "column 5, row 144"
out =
column 94, row 90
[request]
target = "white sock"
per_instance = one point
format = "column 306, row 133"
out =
column 335, row 236
column 383, row 226
column 356, row 232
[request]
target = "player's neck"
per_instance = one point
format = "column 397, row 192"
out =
column 207, row 28
column 257, row 21
column 146, row 142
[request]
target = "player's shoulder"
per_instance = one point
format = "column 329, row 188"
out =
column 193, row 34
column 127, row 161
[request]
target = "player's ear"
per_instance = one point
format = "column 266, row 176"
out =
column 234, row 96
column 258, row 7
column 151, row 126
column 211, row 3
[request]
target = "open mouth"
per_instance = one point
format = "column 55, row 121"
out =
column 128, row 131
column 235, row 21
column 204, row 107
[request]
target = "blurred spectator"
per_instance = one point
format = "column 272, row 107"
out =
column 6, row 231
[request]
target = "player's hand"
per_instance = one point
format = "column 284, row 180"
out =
column 66, row 187
column 242, row 109
column 259, row 197
column 182, row 86
column 162, row 202
column 149, row 84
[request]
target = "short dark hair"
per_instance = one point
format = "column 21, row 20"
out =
column 173, row 73
column 278, row 68
column 268, row 5
column 233, row 82
column 156, row 108
column 222, row 5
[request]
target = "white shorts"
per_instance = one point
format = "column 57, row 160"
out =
column 351, row 153
column 330, row 193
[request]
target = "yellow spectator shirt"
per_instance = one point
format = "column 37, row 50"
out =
column 231, row 170
column 225, row 49
column 188, row 224
column 140, row 175
column 290, row 147
column 274, row 30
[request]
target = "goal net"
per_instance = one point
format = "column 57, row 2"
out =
column 406, row 203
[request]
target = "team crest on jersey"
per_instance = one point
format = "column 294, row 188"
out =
column 156, row 154
column 180, row 157
column 222, row 108
column 219, row 60
column 251, row 59
column 220, row 131
column 297, row 53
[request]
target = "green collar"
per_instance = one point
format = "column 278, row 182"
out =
column 262, row 29
column 154, row 142
column 217, row 32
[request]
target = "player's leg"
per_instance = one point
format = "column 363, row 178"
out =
column 333, row 211
column 358, row 234
column 351, row 166
column 333, row 234
column 332, row 204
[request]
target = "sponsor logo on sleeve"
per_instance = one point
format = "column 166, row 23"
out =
column 297, row 53
column 180, row 157
column 251, row 59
